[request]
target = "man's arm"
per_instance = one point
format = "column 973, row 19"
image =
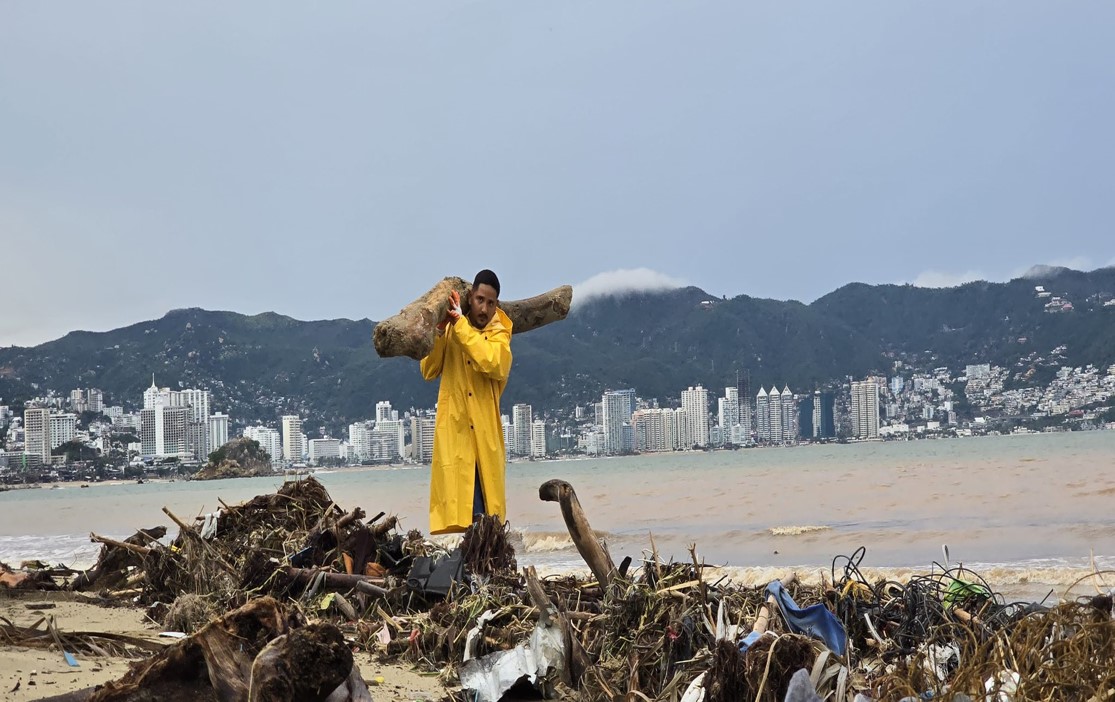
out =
column 489, row 349
column 431, row 365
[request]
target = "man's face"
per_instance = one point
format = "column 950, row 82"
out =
column 482, row 305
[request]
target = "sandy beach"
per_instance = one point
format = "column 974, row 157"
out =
column 36, row 673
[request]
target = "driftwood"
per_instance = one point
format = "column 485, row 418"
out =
column 257, row 652
column 110, row 570
column 411, row 331
column 306, row 576
column 590, row 548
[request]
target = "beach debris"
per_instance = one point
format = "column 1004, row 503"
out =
column 411, row 331
column 45, row 633
column 260, row 651
column 28, row 577
column 649, row 629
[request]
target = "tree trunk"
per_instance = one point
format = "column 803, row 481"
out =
column 411, row 331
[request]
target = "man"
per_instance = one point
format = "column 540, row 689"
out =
column 472, row 356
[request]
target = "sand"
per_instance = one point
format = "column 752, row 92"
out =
column 35, row 673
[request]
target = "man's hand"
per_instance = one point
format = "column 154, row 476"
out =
column 454, row 311
column 452, row 314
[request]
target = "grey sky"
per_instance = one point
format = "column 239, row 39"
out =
column 334, row 160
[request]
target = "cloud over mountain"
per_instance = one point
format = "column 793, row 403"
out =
column 623, row 281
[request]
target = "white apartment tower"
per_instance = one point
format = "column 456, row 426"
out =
column 617, row 413
column 63, row 428
column 762, row 415
column 865, row 409
column 537, row 439
column 695, row 403
column 36, row 432
column 775, row 421
column 789, row 410
column 269, row 440
column 521, row 418
column 218, row 431
column 729, row 408
column 293, row 448
column 383, row 411
column 422, row 438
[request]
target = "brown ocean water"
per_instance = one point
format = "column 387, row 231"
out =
column 1028, row 512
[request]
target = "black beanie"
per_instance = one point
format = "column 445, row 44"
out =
column 486, row 277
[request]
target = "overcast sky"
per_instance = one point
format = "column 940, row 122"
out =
column 336, row 159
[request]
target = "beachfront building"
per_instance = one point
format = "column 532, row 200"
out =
column 269, row 440
column 36, row 432
column 164, row 432
column 422, row 437
column 775, row 421
column 695, row 403
column 218, row 432
column 865, row 409
column 521, row 419
column 387, row 440
column 321, row 450
column 538, row 439
column 762, row 415
column 293, row 448
column 656, row 429
column 508, row 435
column 789, row 416
column 617, row 416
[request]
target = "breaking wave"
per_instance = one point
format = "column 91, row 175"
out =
column 796, row 530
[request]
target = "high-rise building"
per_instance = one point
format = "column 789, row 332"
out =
column 164, row 432
column 617, row 413
column 359, row 437
column 729, row 408
column 269, row 440
column 94, row 400
column 508, row 435
column 746, row 410
column 388, row 440
column 806, row 421
column 538, row 439
column 36, row 432
column 828, row 415
column 775, row 421
column 63, row 427
column 656, row 429
column 522, row 419
column 789, row 415
column 293, row 449
column 77, row 400
column 218, row 431
column 383, row 411
column 762, row 415
column 422, row 438
column 695, row 403
column 865, row 409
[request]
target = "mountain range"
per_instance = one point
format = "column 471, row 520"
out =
column 259, row 367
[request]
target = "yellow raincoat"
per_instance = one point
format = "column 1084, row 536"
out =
column 473, row 366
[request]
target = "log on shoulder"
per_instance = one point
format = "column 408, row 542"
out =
column 411, row 331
